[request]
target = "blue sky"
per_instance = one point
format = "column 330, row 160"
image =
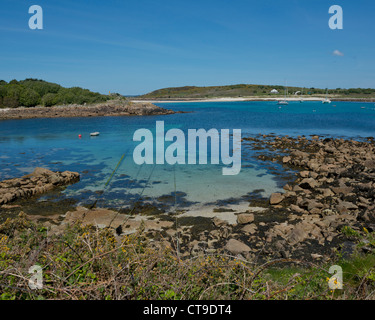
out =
column 133, row 47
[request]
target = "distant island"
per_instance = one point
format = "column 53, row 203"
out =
column 35, row 93
column 256, row 91
column 33, row 98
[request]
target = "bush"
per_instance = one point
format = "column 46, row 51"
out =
column 90, row 263
column 31, row 92
column 48, row 100
column 29, row 98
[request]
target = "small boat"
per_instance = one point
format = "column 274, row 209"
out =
column 283, row 102
column 94, row 134
column 326, row 100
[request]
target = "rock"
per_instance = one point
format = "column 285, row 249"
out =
column 250, row 228
column 343, row 190
column 313, row 204
column 329, row 149
column 299, row 154
column 276, row 198
column 289, row 194
column 313, row 175
column 286, row 159
column 364, row 200
column 8, row 197
column 296, row 208
column 104, row 218
column 298, row 234
column 316, row 256
column 171, row 232
column 6, row 206
column 327, row 192
column 370, row 164
column 297, row 188
column 308, row 183
column 236, row 247
column 287, row 187
column 40, row 172
column 304, row 174
column 113, row 107
column 218, row 222
column 323, row 168
column 345, row 206
column 39, row 181
column 245, row 218
column 54, row 179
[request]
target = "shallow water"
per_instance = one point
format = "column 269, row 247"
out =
column 54, row 144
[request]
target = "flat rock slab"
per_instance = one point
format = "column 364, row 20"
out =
column 236, row 247
column 276, row 198
column 104, row 218
column 38, row 182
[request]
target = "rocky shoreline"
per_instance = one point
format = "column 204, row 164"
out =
column 333, row 189
column 36, row 183
column 109, row 108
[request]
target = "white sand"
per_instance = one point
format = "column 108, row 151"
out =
column 233, row 99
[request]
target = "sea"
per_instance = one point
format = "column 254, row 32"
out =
column 111, row 178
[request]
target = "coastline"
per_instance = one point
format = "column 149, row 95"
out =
column 109, row 108
column 331, row 192
column 130, row 108
column 229, row 99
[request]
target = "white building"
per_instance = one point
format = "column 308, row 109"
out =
column 274, row 91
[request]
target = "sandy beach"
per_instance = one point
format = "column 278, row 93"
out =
column 228, row 99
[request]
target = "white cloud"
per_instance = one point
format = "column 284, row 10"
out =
column 337, row 53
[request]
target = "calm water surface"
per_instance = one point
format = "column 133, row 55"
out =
column 54, row 144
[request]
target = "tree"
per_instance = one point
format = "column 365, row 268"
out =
column 10, row 102
column 29, row 98
column 48, row 100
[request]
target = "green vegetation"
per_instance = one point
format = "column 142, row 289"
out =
column 247, row 90
column 33, row 92
column 89, row 263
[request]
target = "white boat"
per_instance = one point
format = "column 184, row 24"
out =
column 326, row 100
column 93, row 134
column 283, row 101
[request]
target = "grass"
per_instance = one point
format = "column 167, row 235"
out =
column 90, row 263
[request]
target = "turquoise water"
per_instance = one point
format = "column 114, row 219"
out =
column 54, row 143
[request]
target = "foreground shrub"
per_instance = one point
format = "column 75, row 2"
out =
column 90, row 263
